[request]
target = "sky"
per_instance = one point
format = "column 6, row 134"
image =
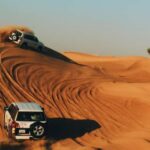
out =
column 100, row 27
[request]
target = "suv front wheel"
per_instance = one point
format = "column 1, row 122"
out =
column 24, row 46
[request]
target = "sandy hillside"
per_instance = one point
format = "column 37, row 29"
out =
column 92, row 103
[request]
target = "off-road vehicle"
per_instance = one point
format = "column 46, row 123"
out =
column 26, row 40
column 25, row 120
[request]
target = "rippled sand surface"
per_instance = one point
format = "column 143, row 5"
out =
column 91, row 102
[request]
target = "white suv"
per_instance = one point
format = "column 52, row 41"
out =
column 25, row 120
column 26, row 40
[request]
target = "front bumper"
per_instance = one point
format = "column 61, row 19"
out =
column 22, row 135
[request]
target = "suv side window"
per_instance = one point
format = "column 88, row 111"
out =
column 10, row 108
column 36, row 39
column 26, row 36
column 30, row 37
column 13, row 111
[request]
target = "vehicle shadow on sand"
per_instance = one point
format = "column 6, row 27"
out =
column 52, row 53
column 62, row 128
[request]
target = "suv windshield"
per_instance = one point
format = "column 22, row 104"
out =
column 30, row 116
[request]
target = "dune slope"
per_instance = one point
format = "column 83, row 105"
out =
column 102, row 104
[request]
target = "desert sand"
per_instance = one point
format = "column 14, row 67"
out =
column 92, row 102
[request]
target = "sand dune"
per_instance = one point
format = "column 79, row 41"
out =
column 95, row 103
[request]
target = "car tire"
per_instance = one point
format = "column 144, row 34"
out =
column 37, row 130
column 4, row 120
column 24, row 46
column 9, row 132
column 40, row 48
column 5, row 127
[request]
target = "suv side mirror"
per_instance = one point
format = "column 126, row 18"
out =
column 5, row 108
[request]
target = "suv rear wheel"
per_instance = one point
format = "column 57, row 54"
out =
column 37, row 130
column 24, row 45
column 40, row 48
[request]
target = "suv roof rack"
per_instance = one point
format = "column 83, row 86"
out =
column 28, row 106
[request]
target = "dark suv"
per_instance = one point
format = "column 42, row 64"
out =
column 26, row 40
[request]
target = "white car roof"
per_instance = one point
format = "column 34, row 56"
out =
column 28, row 106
